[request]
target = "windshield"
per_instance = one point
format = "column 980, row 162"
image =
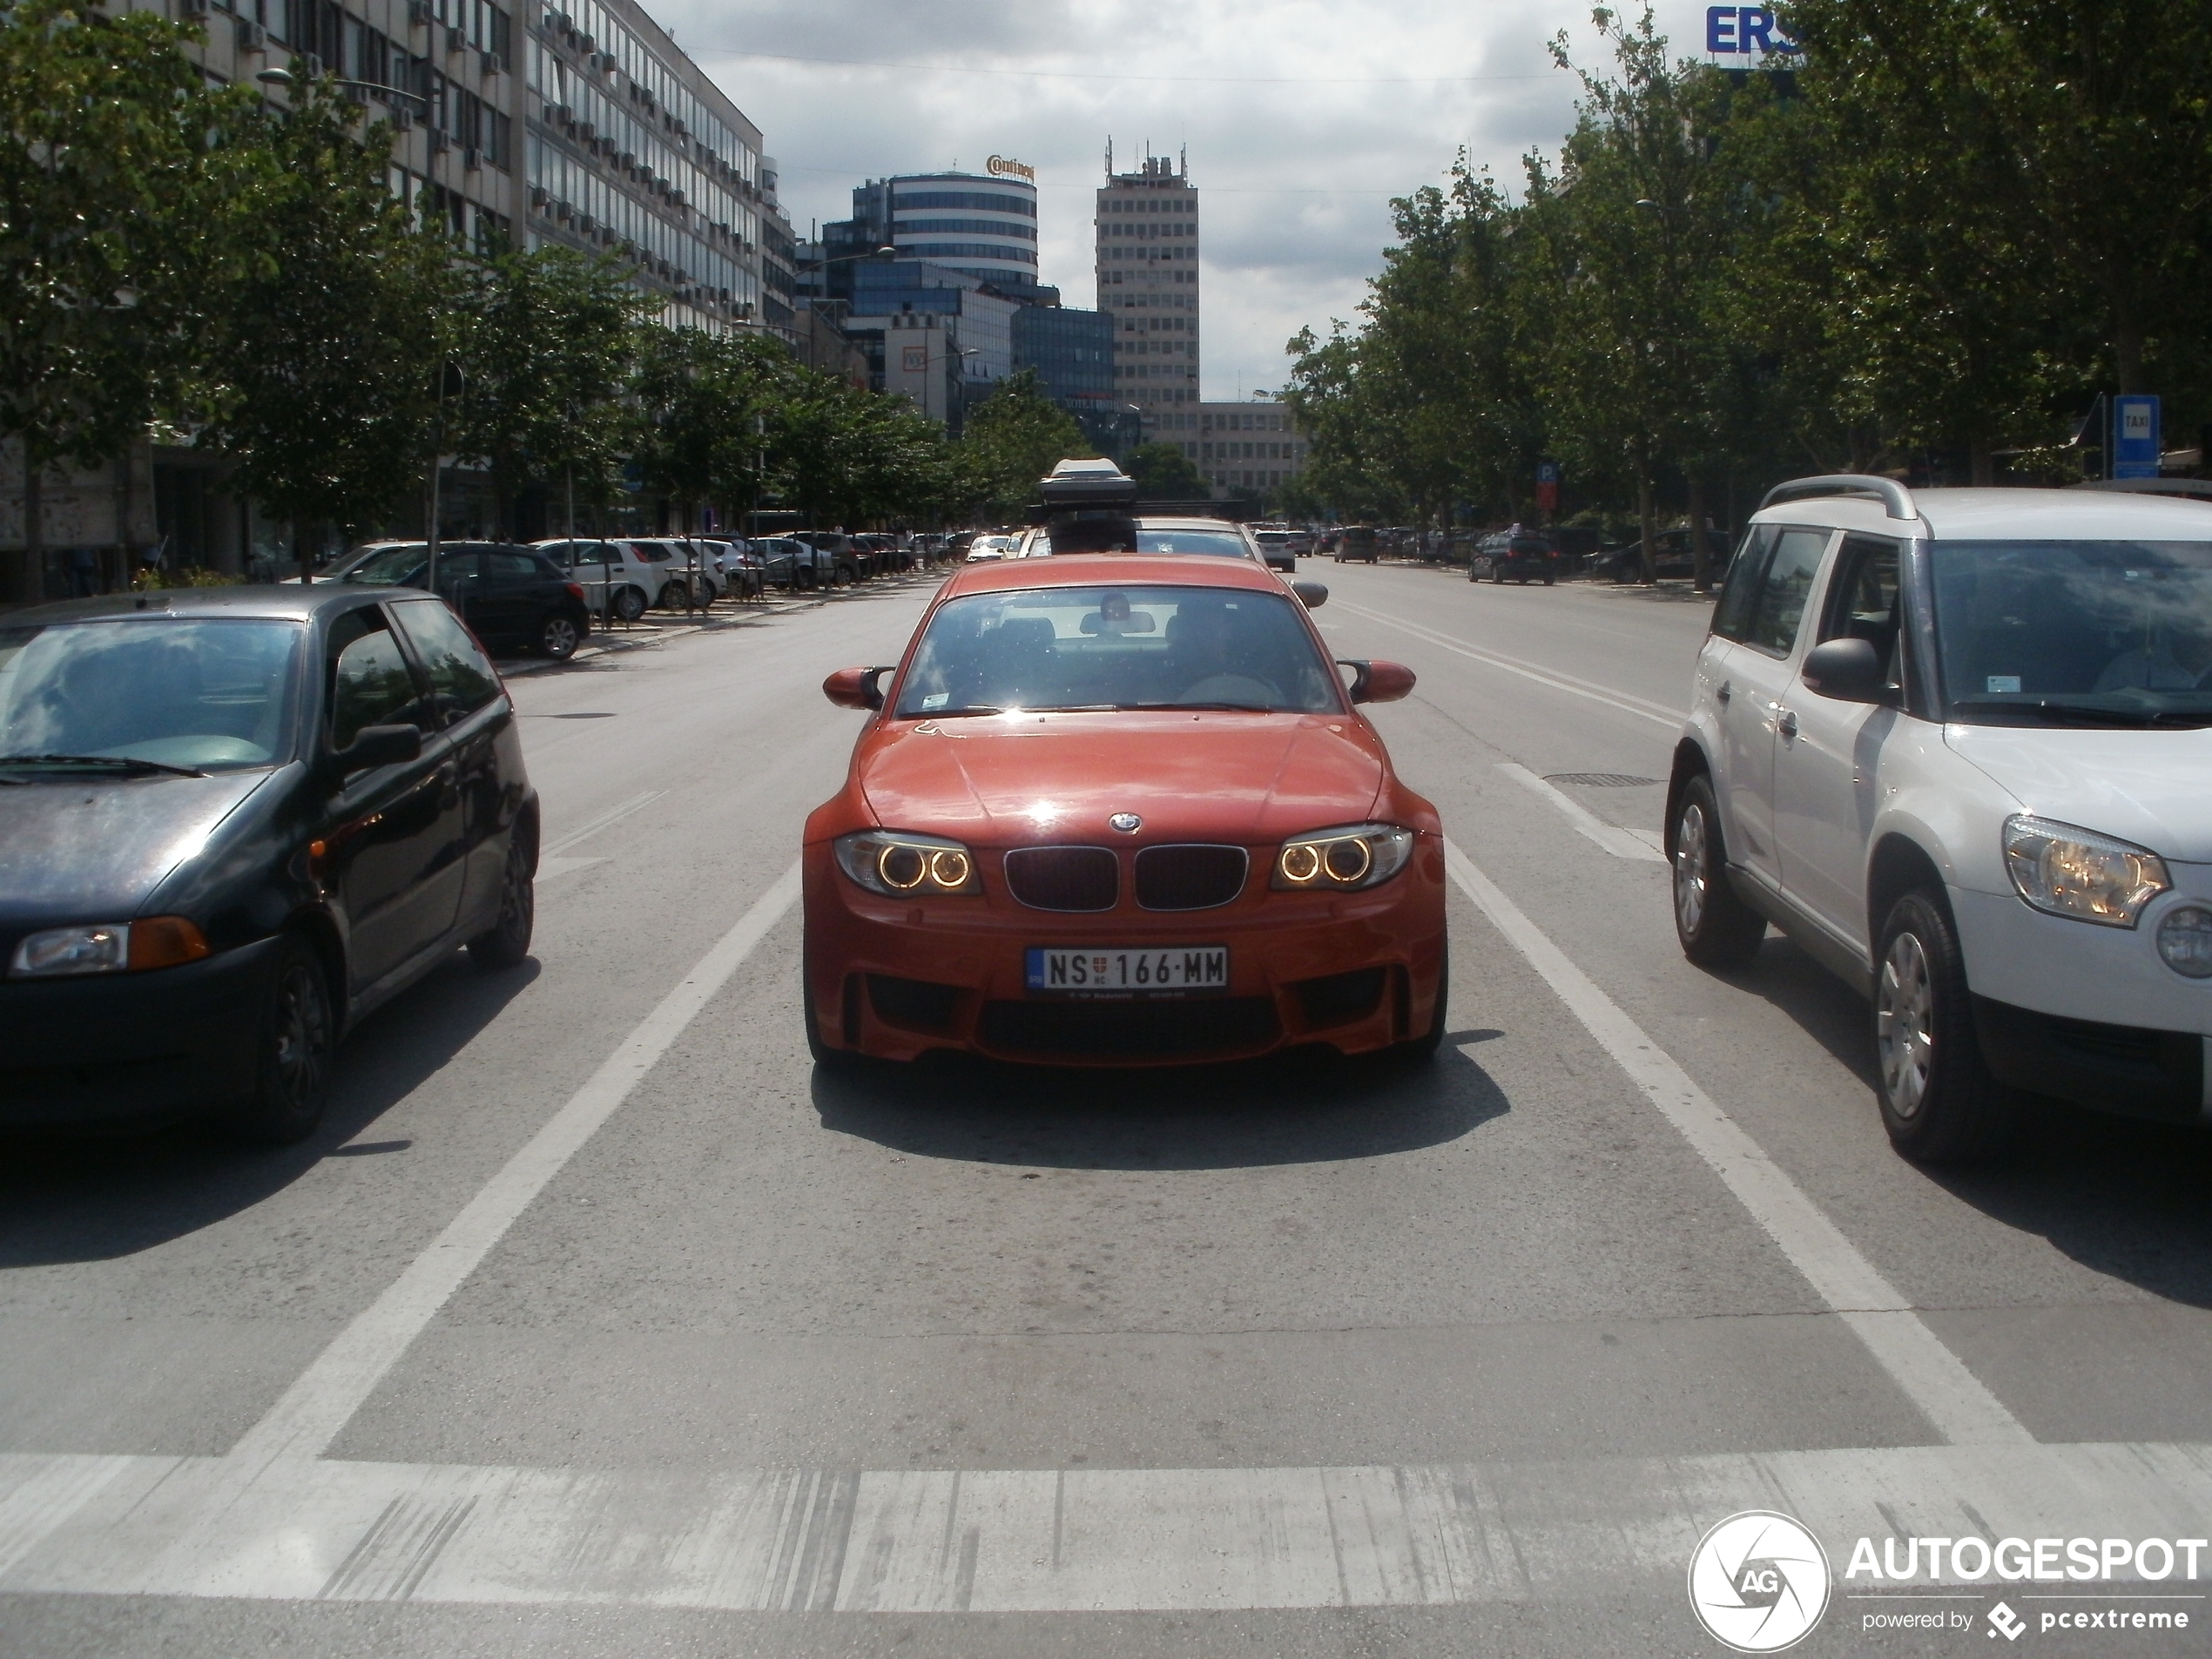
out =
column 1117, row 648
column 394, row 567
column 205, row 694
column 2098, row 632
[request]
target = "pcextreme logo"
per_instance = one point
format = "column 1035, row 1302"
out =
column 1759, row 1581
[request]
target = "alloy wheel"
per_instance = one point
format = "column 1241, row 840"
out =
column 559, row 638
column 1690, row 870
column 301, row 1035
column 1904, row 1021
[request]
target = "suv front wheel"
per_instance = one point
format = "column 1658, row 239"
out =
column 1939, row 1102
column 1716, row 928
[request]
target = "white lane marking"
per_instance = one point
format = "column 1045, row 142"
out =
column 1047, row 1541
column 308, row 1415
column 550, row 869
column 1956, row 1401
column 1622, row 844
column 611, row 815
column 1627, row 702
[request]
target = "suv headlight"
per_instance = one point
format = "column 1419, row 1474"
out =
column 900, row 865
column 1342, row 861
column 2078, row 872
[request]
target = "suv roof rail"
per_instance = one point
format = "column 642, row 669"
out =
column 1891, row 494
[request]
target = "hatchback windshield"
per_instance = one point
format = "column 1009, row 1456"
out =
column 199, row 694
column 393, row 567
column 1117, row 648
column 2113, row 633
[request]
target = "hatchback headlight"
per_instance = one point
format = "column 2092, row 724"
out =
column 2185, row 941
column 1342, row 861
column 107, row 947
column 2078, row 872
column 900, row 865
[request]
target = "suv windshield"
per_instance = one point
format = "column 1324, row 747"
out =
column 1117, row 648
column 2102, row 633
column 199, row 694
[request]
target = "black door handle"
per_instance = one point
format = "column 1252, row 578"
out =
column 1786, row 724
column 1723, row 691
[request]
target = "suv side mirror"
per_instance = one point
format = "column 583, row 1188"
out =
column 378, row 746
column 1847, row 669
column 1314, row 595
column 1379, row 682
column 856, row 688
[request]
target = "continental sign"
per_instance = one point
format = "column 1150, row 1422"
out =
column 1007, row 167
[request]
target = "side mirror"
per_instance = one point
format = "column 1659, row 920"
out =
column 1379, row 682
column 856, row 688
column 378, row 746
column 1847, row 669
column 1314, row 595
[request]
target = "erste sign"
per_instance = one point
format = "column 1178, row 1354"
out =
column 1745, row 32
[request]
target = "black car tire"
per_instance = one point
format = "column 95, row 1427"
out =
column 558, row 635
column 1423, row 1048
column 1624, row 573
column 668, row 599
column 295, row 1046
column 1498, row 575
column 1716, row 928
column 629, row 605
column 507, row 942
column 1550, row 580
column 839, row 578
column 1939, row 1101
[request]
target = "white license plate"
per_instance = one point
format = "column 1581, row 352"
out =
column 1118, row 971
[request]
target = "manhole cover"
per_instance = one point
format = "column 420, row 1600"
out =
column 1601, row 779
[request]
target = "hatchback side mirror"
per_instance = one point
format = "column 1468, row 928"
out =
column 378, row 746
column 1380, row 682
column 1313, row 594
column 856, row 688
column 1848, row 670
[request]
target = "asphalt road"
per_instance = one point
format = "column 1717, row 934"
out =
column 594, row 1322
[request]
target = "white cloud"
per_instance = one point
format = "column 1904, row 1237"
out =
column 1295, row 174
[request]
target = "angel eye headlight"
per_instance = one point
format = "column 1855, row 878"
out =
column 902, row 864
column 1342, row 861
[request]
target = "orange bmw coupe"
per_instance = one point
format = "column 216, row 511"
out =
column 1117, row 810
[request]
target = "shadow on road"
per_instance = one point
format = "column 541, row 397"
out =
column 2123, row 1198
column 1306, row 1106
column 73, row 1198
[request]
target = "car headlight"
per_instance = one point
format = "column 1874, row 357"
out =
column 107, row 947
column 2185, row 941
column 900, row 865
column 1342, row 861
column 2078, row 872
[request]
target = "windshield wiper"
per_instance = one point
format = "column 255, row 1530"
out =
column 111, row 763
column 1236, row 708
column 2059, row 711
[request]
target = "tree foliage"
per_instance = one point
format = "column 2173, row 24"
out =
column 1012, row 439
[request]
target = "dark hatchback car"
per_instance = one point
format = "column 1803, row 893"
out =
column 1674, row 558
column 1506, row 556
column 510, row 596
column 232, row 821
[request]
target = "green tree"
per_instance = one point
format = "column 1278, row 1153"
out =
column 545, row 352
column 328, row 350
column 1012, row 439
column 114, row 158
column 1163, row 472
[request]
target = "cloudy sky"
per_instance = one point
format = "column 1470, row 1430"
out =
column 1302, row 120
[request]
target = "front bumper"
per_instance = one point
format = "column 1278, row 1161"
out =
column 114, row 1048
column 895, row 978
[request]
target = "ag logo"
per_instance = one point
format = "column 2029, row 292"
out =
column 1759, row 1581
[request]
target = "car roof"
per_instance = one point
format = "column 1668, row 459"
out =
column 2009, row 515
column 277, row 603
column 1135, row 569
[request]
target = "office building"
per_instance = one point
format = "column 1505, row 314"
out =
column 961, row 325
column 1247, row 449
column 1072, row 354
column 981, row 225
column 1148, row 283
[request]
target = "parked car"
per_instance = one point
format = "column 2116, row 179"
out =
column 793, row 564
column 512, row 596
column 1673, row 555
column 982, row 550
column 1221, row 803
column 616, row 580
column 845, row 563
column 1958, row 744
column 1279, row 547
column 305, row 799
column 742, row 572
column 1504, row 555
column 883, row 553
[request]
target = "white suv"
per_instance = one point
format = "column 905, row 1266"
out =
column 1958, row 744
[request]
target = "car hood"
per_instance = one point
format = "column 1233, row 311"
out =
column 2152, row 788
column 1029, row 778
column 93, row 849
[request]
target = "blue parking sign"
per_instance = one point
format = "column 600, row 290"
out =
column 2135, row 437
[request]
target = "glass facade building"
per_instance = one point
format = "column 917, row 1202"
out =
column 983, row 226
